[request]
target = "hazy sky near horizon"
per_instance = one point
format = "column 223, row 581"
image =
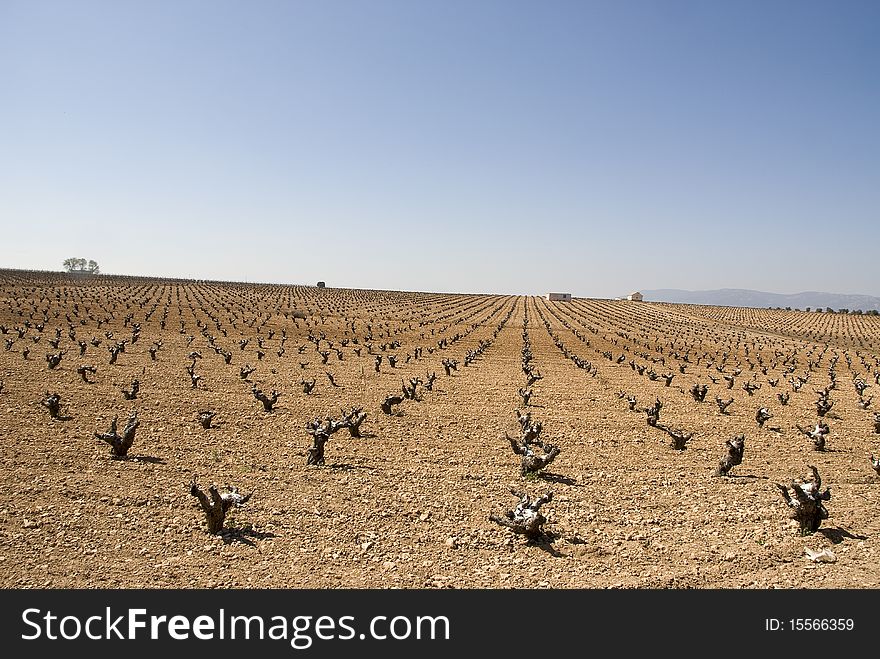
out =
column 456, row 146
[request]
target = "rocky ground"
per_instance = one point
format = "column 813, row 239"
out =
column 408, row 504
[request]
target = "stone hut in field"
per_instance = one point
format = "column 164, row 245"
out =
column 635, row 297
column 559, row 297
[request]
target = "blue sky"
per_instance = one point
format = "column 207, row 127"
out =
column 510, row 147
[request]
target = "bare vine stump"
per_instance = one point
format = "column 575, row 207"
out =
column 315, row 454
column 531, row 431
column 523, row 418
column 193, row 376
column 680, row 438
column 750, row 388
column 52, row 402
column 353, row 420
column 320, row 433
column 410, row 390
column 735, row 450
column 875, row 464
column 699, row 391
column 653, row 413
column 119, row 444
column 762, row 416
column 83, row 373
column 267, row 401
column 390, row 400
column 806, row 506
column 216, row 507
column 307, row 385
column 526, row 519
column 723, row 404
column 205, row 418
column 54, row 359
column 532, row 462
column 823, row 406
column 131, row 394
column 818, row 435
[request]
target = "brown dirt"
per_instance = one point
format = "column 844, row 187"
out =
column 408, row 506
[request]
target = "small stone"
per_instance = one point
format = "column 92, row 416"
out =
column 824, row 556
column 451, row 542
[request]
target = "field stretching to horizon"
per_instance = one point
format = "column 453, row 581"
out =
column 637, row 498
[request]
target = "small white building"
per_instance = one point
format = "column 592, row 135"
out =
column 559, row 297
column 634, row 297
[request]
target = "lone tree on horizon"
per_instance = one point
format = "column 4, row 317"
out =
column 77, row 265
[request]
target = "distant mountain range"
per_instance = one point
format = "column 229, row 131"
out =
column 737, row 297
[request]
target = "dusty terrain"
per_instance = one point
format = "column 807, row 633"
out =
column 408, row 505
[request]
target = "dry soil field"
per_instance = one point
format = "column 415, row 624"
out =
column 408, row 504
